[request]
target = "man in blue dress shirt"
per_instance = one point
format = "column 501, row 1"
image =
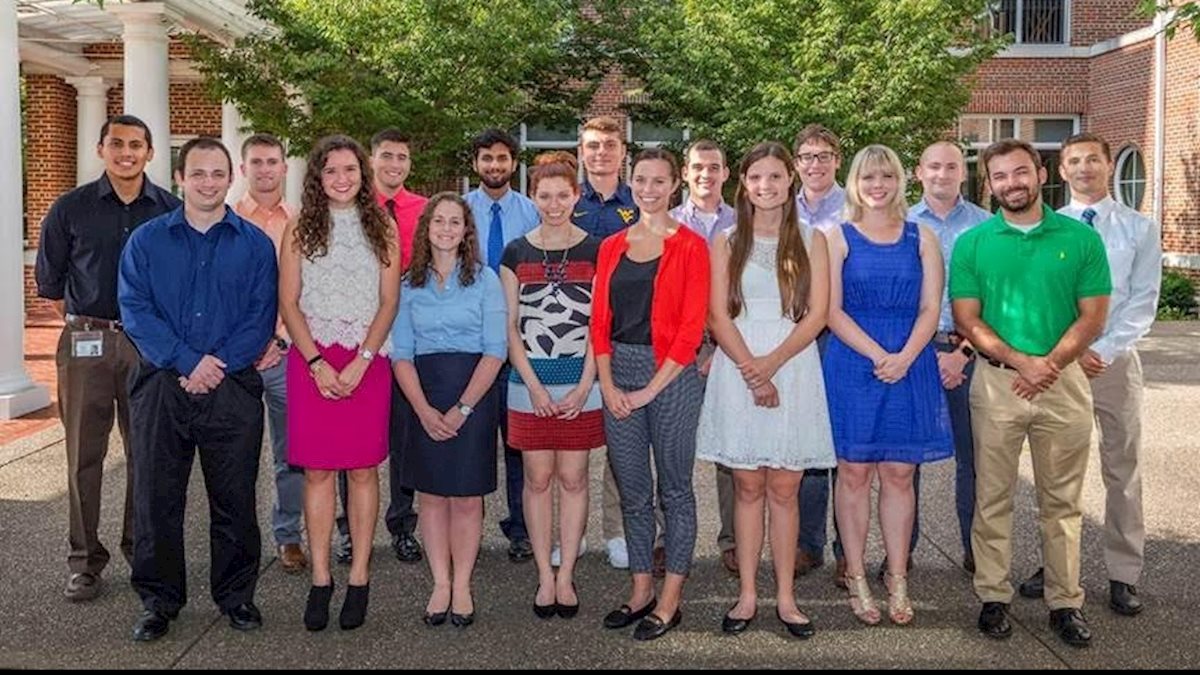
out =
column 197, row 290
column 501, row 215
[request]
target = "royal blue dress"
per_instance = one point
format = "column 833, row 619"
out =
column 872, row 421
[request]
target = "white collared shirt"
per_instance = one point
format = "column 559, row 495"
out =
column 1134, row 246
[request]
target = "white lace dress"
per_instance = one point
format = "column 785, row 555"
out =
column 738, row 434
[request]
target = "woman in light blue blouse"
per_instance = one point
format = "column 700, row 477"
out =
column 448, row 344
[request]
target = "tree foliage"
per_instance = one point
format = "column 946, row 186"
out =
column 1186, row 14
column 439, row 69
column 888, row 71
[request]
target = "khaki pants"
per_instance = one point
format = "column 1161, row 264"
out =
column 1058, row 425
column 1118, row 410
column 90, row 391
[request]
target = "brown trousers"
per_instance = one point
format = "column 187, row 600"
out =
column 90, row 391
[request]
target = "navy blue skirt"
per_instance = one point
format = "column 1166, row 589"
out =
column 464, row 466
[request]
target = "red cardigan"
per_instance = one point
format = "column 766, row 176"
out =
column 679, row 308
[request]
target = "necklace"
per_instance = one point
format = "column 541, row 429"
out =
column 555, row 271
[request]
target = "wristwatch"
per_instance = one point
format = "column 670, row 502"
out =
column 465, row 409
column 366, row 354
column 967, row 351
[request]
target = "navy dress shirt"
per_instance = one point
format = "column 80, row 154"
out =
column 184, row 294
column 81, row 241
column 602, row 217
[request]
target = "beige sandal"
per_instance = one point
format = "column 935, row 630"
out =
column 900, row 609
column 861, row 602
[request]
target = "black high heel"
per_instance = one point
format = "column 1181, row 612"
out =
column 316, row 611
column 354, row 609
column 568, row 611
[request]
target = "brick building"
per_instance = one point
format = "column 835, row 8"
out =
column 1076, row 65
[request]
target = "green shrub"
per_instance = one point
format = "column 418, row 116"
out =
column 1177, row 300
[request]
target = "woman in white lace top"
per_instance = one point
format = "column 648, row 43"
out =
column 339, row 288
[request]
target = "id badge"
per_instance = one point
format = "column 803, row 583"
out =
column 87, row 344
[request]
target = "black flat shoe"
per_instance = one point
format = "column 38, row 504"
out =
column 797, row 629
column 652, row 627
column 316, row 612
column 626, row 616
column 568, row 611
column 151, row 625
column 245, row 617
column 354, row 608
column 734, row 626
column 436, row 618
column 462, row 620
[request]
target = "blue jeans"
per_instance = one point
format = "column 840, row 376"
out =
column 959, row 402
column 289, row 480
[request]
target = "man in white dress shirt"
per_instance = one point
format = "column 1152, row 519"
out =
column 1134, row 246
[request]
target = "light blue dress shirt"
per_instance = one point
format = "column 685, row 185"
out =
column 961, row 218
column 825, row 214
column 466, row 320
column 1134, row 246
column 518, row 216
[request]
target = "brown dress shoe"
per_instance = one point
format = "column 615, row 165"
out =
column 806, row 562
column 82, row 587
column 658, row 562
column 839, row 575
column 292, row 558
column 729, row 560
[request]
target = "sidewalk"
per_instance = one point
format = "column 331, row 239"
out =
column 41, row 630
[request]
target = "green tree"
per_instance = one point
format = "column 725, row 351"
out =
column 890, row 71
column 1186, row 14
column 439, row 69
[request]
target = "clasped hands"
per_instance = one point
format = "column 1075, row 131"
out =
column 1035, row 374
column 205, row 377
column 757, row 373
column 568, row 408
column 336, row 385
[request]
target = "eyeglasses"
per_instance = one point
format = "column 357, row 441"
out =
column 821, row 157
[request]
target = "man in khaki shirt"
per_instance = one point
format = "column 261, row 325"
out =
column 265, row 166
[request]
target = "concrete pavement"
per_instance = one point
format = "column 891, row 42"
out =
column 39, row 629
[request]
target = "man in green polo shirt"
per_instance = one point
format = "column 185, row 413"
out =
column 1030, row 291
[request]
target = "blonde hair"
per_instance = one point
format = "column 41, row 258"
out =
column 871, row 157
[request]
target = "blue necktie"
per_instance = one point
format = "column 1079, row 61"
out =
column 495, row 240
column 1088, row 215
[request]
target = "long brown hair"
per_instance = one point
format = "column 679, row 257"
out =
column 468, row 248
column 791, row 258
column 315, row 223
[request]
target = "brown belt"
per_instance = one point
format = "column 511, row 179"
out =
column 93, row 323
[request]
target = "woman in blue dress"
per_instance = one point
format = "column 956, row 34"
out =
column 887, row 410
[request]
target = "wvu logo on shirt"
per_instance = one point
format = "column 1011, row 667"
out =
column 626, row 215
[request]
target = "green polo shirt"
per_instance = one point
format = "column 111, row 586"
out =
column 1029, row 284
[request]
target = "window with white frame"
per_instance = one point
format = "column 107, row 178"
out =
column 1045, row 132
column 1037, row 22
column 1129, row 179
column 536, row 137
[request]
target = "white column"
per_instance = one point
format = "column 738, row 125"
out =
column 18, row 394
column 232, row 137
column 91, row 94
column 147, row 79
column 293, row 189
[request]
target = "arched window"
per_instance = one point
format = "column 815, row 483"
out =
column 1129, row 180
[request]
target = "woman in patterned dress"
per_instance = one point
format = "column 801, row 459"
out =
column 553, row 412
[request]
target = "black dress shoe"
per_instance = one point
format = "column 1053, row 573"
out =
column 626, row 616
column 354, row 608
column 652, row 627
column 520, row 550
column 316, row 611
column 407, row 548
column 343, row 551
column 568, row 611
column 802, row 630
column 1035, row 586
column 1071, row 627
column 436, row 618
column 462, row 620
column 734, row 626
column 245, row 617
column 1123, row 599
column 151, row 625
column 993, row 620
column 83, row 586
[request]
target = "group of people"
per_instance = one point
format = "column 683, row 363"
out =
column 807, row 339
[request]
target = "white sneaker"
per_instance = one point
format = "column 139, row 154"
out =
column 556, row 553
column 618, row 553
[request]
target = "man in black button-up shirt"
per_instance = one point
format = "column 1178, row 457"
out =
column 80, row 248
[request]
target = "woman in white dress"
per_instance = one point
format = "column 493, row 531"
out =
column 764, row 413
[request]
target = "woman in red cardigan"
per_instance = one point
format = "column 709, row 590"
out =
column 649, row 307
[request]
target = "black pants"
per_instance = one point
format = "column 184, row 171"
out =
column 400, row 517
column 168, row 425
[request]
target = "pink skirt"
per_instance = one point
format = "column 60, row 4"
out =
column 337, row 434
